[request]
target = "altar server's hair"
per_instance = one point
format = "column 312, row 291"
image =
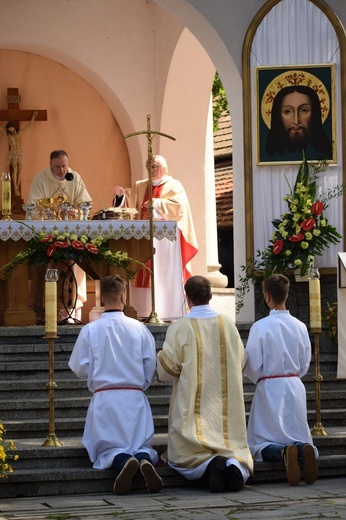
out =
column 277, row 286
column 112, row 286
column 198, row 290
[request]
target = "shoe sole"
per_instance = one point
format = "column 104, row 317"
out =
column 310, row 468
column 123, row 482
column 152, row 479
column 293, row 472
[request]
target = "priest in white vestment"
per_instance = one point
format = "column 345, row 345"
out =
column 117, row 356
column 52, row 183
column 204, row 357
column 171, row 261
column 278, row 356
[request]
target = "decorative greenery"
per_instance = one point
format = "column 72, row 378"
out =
column 54, row 247
column 331, row 321
column 6, row 453
column 301, row 233
column 220, row 103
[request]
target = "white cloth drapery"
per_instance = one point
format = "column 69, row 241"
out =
column 294, row 33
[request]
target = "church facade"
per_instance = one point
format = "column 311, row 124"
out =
column 99, row 68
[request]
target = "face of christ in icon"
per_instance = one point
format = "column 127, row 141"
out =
column 296, row 117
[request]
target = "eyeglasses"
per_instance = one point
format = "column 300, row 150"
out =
column 154, row 166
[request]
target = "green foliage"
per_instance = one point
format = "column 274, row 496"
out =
column 220, row 103
column 331, row 321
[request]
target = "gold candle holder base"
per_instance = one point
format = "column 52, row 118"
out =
column 318, row 430
column 154, row 318
column 6, row 216
column 52, row 441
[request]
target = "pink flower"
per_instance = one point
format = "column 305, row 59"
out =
column 92, row 249
column 62, row 244
column 77, row 244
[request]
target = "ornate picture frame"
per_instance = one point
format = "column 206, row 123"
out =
column 295, row 111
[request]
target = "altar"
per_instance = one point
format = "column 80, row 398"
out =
column 130, row 236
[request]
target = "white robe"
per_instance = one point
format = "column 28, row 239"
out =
column 278, row 344
column 116, row 351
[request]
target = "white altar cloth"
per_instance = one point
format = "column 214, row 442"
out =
column 169, row 290
column 16, row 229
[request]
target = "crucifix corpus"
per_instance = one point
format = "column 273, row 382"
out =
column 13, row 115
column 150, row 134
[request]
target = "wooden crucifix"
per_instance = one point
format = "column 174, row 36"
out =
column 13, row 115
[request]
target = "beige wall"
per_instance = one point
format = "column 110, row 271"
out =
column 78, row 121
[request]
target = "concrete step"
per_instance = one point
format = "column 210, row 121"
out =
column 67, row 469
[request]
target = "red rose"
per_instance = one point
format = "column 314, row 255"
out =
column 47, row 238
column 277, row 246
column 51, row 250
column 297, row 238
column 307, row 224
column 92, row 249
column 61, row 244
column 317, row 208
column 77, row 244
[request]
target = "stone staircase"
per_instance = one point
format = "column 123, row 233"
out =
column 24, row 411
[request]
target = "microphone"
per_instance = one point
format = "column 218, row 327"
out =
column 70, row 177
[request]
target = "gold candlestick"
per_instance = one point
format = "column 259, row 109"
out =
column 51, row 335
column 315, row 327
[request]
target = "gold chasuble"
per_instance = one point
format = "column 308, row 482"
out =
column 204, row 358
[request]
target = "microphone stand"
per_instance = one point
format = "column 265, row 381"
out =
column 153, row 318
column 70, row 177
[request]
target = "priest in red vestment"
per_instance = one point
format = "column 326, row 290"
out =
column 170, row 202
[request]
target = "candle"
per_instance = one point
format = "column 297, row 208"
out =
column 51, row 301
column 6, row 192
column 315, row 299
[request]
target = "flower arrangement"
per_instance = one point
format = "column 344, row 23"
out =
column 301, row 233
column 6, row 454
column 331, row 321
column 54, row 247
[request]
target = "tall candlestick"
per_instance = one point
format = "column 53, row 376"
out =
column 51, row 302
column 315, row 298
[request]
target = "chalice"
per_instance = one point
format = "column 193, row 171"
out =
column 85, row 207
column 29, row 208
column 66, row 207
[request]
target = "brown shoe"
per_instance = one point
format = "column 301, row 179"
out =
column 293, row 472
column 123, row 481
column 152, row 479
column 310, row 468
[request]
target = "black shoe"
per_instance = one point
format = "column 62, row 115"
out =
column 234, row 478
column 152, row 479
column 216, row 478
column 123, row 481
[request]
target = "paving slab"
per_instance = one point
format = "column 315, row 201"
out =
column 272, row 501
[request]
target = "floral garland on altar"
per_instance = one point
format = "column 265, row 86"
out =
column 300, row 234
column 55, row 246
